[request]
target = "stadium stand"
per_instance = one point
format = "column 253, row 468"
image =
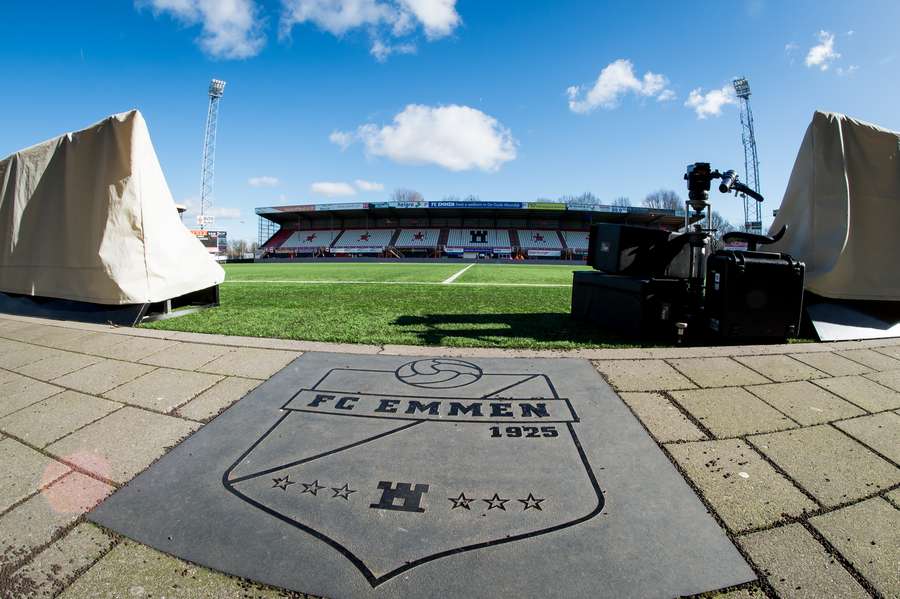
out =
column 576, row 240
column 418, row 238
column 364, row 239
column 310, row 240
column 469, row 228
column 539, row 239
column 479, row 238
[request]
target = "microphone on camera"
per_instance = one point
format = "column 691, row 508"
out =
column 729, row 178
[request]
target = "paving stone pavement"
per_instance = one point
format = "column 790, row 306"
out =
column 792, row 448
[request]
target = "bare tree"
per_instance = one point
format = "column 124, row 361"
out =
column 237, row 249
column 720, row 224
column 450, row 198
column 585, row 198
column 622, row 202
column 406, row 195
column 664, row 199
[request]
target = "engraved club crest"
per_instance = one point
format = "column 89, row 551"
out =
column 397, row 468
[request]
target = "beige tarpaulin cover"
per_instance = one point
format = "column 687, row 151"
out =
column 88, row 216
column 842, row 209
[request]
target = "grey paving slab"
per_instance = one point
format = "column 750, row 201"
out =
column 186, row 356
column 35, row 522
column 122, row 444
column 891, row 350
column 218, row 397
column 57, row 565
column 102, row 376
column 780, row 368
column 377, row 476
column 890, row 379
column 871, row 359
column 28, row 354
column 830, row 363
column 19, row 392
column 163, row 389
column 868, row 535
column 744, row 489
column 61, row 337
column 133, row 348
column 798, row 566
column 664, row 421
column 894, row 497
column 861, row 391
column 250, row 363
column 642, row 375
column 98, row 344
column 718, row 372
column 731, row 411
column 27, row 333
column 834, row 468
column 133, row 570
column 747, row 593
column 24, row 472
column 53, row 418
column 804, row 402
column 881, row 432
column 58, row 365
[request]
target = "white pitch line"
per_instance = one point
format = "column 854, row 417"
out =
column 455, row 276
column 296, row 282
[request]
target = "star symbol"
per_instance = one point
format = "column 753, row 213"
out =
column 364, row 237
column 531, row 502
column 343, row 492
column 282, row 483
column 312, row 487
column 461, row 501
column 495, row 502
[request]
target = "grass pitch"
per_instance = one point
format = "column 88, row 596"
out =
column 453, row 304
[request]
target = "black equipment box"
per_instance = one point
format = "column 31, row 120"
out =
column 626, row 249
column 753, row 296
column 629, row 306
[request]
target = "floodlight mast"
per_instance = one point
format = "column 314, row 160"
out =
column 208, row 166
column 752, row 208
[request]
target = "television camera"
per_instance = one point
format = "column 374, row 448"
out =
column 651, row 284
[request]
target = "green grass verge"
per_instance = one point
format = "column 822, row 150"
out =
column 452, row 315
column 541, row 274
column 342, row 271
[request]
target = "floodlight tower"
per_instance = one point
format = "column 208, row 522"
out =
column 752, row 208
column 208, row 167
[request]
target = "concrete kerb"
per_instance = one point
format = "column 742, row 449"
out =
column 636, row 353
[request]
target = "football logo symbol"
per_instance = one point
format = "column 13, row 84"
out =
column 439, row 373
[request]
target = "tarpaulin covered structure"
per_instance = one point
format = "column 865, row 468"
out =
column 88, row 216
column 842, row 209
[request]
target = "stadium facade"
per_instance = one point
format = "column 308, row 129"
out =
column 452, row 228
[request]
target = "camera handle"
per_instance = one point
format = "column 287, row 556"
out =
column 752, row 239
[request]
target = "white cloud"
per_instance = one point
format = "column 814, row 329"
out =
column 615, row 80
column 822, row 54
column 263, row 181
column 438, row 17
column 842, row 72
column 231, row 28
column 341, row 138
column 790, row 47
column 665, row 96
column 368, row 185
column 382, row 51
column 710, row 103
column 458, row 138
column 332, row 189
column 219, row 212
column 380, row 18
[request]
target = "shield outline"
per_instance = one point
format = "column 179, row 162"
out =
column 370, row 576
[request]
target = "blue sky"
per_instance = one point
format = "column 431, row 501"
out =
column 448, row 97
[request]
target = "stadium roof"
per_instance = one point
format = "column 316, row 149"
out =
column 586, row 213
